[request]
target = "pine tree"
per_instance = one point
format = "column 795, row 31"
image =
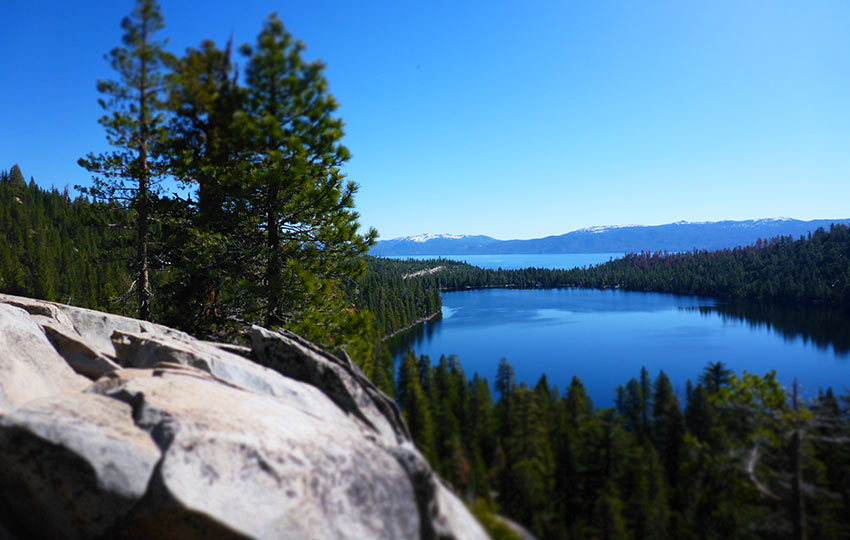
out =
column 134, row 124
column 715, row 376
column 204, row 152
column 479, row 433
column 668, row 428
column 16, row 177
column 297, row 195
column 415, row 407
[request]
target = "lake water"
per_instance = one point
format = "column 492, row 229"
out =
column 561, row 261
column 605, row 337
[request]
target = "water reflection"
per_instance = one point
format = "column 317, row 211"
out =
column 824, row 326
column 605, row 337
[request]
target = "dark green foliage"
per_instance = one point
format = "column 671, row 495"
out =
column 200, row 233
column 16, row 177
column 295, row 191
column 49, row 250
column 134, row 121
column 415, row 406
column 811, row 269
column 566, row 470
column 396, row 299
column 668, row 427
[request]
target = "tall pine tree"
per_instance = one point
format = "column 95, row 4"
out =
column 298, row 196
column 134, row 124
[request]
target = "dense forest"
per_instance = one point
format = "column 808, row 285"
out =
column 812, row 269
column 395, row 295
column 742, row 459
column 50, row 249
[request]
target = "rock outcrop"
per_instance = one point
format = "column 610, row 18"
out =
column 116, row 428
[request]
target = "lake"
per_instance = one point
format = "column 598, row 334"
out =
column 560, row 261
column 605, row 336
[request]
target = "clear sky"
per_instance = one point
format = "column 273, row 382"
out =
column 511, row 119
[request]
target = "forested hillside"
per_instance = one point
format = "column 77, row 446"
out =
column 743, row 459
column 50, row 249
column 394, row 297
column 813, row 269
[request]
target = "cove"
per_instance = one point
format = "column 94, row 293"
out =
column 605, row 336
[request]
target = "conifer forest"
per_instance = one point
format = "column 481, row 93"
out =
column 223, row 203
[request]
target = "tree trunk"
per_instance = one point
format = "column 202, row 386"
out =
column 273, row 270
column 142, row 197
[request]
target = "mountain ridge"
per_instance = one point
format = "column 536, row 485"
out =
column 677, row 236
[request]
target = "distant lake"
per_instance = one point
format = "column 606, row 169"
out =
column 562, row 261
column 605, row 337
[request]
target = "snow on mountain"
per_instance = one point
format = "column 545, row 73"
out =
column 678, row 236
column 426, row 237
column 596, row 229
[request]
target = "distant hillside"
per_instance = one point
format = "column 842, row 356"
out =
column 435, row 244
column 679, row 236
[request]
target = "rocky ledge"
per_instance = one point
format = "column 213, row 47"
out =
column 112, row 427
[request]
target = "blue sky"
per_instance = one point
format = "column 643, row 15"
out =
column 512, row 119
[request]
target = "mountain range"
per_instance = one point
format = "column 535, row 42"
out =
column 679, row 236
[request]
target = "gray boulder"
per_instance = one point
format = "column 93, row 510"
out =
column 262, row 468
column 338, row 377
column 73, row 464
column 30, row 368
column 171, row 437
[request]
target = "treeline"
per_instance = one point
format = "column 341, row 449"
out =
column 49, row 249
column 814, row 269
column 455, row 275
column 395, row 299
column 810, row 269
column 743, row 459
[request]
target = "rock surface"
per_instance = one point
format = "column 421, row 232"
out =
column 30, row 368
column 116, row 428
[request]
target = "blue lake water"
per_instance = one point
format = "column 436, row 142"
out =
column 561, row 261
column 605, row 337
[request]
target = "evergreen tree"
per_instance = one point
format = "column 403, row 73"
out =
column 480, row 436
column 16, row 177
column 204, row 152
column 415, row 407
column 134, row 124
column 297, row 197
column 714, row 376
column 668, row 427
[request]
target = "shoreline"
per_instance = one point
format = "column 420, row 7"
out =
column 412, row 325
